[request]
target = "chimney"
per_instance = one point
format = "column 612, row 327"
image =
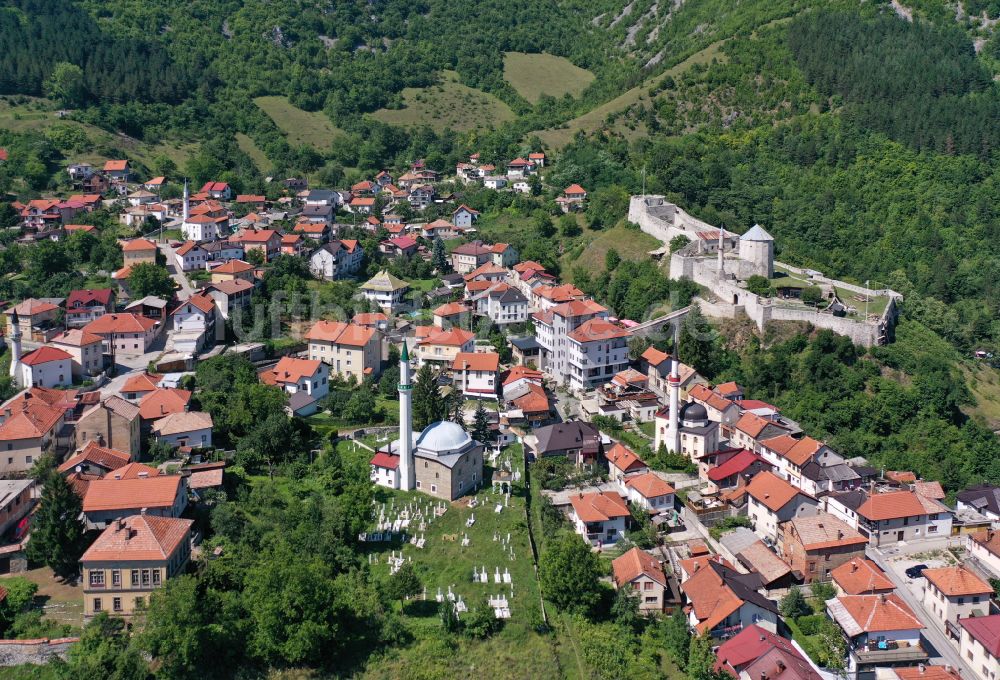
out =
column 781, row 666
column 143, row 474
column 854, row 566
column 120, row 524
column 143, row 512
column 840, row 534
column 921, row 668
column 763, row 675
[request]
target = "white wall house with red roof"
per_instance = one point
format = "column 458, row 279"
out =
column 476, row 374
column 598, row 349
column 46, row 367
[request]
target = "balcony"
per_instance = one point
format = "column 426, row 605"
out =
column 889, row 652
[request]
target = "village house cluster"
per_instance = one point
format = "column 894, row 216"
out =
column 766, row 509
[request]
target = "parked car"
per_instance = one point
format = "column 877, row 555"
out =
column 916, row 571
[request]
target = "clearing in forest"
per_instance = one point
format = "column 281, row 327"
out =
column 311, row 128
column 449, row 104
column 533, row 75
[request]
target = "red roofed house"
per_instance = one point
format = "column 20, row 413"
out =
column 220, row 191
column 597, row 350
column 35, row 318
column 881, row 630
column 117, row 171
column 735, row 469
column 308, row 376
column 720, row 409
column 109, row 499
column 953, row 593
column 362, row 206
column 600, row 517
column 442, row 346
column 470, row 256
column 130, row 559
column 861, row 576
column 815, row 545
column 385, row 469
column 622, row 462
column 83, row 306
column 723, row 601
column 902, row 516
column 648, row 491
column 28, row 427
column 756, row 653
column 980, row 645
column 553, row 328
column 349, row 349
column 789, row 454
column 138, row 250
column 265, row 241
column 46, row 367
column 399, row 246
column 195, row 322
column 162, row 402
column 573, row 198
column 190, row 256
column 95, row 459
column 476, row 374
column 641, row 572
column 231, row 270
column 772, row 501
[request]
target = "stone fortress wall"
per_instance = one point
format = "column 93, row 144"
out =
column 742, row 258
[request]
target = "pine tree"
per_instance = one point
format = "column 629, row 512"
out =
column 440, row 258
column 56, row 531
column 481, row 425
column 428, row 406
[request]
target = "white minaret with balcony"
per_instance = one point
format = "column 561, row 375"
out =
column 673, row 438
column 406, row 471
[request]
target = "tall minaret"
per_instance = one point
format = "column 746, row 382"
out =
column 722, row 264
column 187, row 209
column 406, row 471
column 15, row 348
column 673, row 438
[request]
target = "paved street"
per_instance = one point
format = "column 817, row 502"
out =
column 186, row 290
column 944, row 651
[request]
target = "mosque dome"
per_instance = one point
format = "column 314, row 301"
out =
column 693, row 412
column 442, row 437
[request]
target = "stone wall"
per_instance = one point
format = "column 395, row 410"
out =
column 39, row 651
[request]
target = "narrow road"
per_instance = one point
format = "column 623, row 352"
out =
column 946, row 652
column 186, row 290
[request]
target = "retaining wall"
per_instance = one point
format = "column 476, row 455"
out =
column 38, row 651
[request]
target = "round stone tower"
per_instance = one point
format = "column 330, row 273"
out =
column 757, row 248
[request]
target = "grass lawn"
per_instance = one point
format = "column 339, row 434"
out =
column 59, row 601
column 595, row 118
column 310, row 128
column 984, row 383
column 533, row 75
column 790, row 279
column 250, row 148
column 517, row 651
column 631, row 244
column 447, row 105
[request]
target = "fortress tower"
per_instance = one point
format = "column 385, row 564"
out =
column 757, row 248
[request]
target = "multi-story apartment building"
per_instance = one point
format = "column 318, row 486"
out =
column 349, row 349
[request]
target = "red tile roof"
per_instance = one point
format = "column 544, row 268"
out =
column 476, row 361
column 133, row 471
column 139, row 538
column 352, row 334
column 654, row 357
column 893, row 505
column 82, row 298
column 290, row 370
column 599, row 506
column 110, row 494
column 115, row 166
column 957, row 581
column 649, row 485
column 100, row 456
column 860, row 576
column 574, row 189
column 735, row 465
column 598, row 330
column 163, row 401
column 771, row 490
column 624, row 458
column 880, row 613
column 34, row 420
column 636, row 563
column 451, row 309
column 119, row 323
column 518, row 372
column 702, row 393
column 760, row 653
column 44, row 355
column 798, row 450
column 138, row 245
column 823, row 531
column 385, row 460
column 233, row 267
column 141, row 382
column 454, row 337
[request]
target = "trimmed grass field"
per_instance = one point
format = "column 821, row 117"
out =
column 595, row 118
column 250, row 148
column 447, row 105
column 533, row 75
column 309, row 128
column 631, row 244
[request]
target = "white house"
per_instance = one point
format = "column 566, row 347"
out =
column 86, row 349
column 186, row 428
column 336, row 259
column 194, row 324
column 47, row 367
column 506, row 304
column 599, row 517
column 880, row 629
column 648, row 491
column 190, row 256
column 310, row 376
column 772, row 501
column 464, row 216
column 495, row 182
column 476, row 374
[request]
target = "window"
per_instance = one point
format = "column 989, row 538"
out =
column 97, row 578
column 647, row 585
column 27, row 459
column 145, row 578
column 434, row 488
column 156, row 577
column 116, row 604
column 97, row 604
column 135, row 578
column 116, row 577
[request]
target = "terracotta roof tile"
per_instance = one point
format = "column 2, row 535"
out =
column 100, row 456
column 139, row 538
column 476, row 361
column 649, row 485
column 957, row 581
column 352, row 334
column 635, row 563
column 624, row 458
column 599, row 507
column 860, row 576
column 878, row 613
column 771, row 490
column 163, row 401
column 110, row 494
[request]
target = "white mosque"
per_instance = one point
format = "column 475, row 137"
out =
column 442, row 461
